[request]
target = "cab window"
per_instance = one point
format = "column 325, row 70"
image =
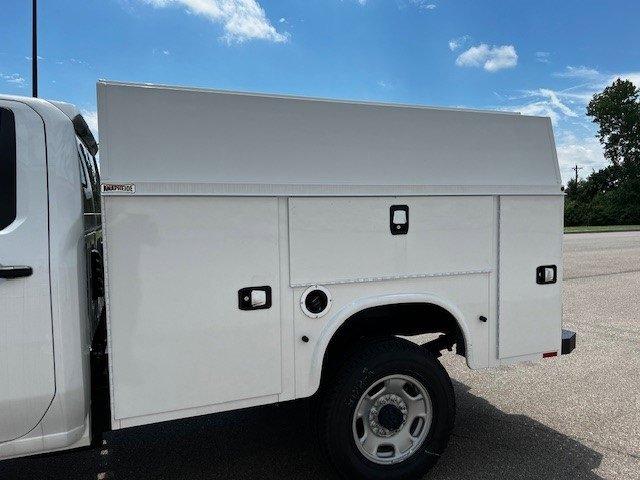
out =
column 90, row 179
column 7, row 168
column 85, row 180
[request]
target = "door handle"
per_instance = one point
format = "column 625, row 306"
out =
column 399, row 221
column 254, row 298
column 15, row 271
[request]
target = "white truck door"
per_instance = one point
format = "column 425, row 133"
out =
column 530, row 320
column 182, row 334
column 27, row 383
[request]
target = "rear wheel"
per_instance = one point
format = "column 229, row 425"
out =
column 388, row 413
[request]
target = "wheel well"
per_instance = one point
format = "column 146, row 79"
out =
column 405, row 319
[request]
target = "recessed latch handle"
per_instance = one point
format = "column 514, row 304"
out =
column 546, row 274
column 399, row 219
column 254, row 298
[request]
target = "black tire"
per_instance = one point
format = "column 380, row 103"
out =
column 368, row 364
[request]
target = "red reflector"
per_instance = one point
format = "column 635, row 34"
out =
column 549, row 354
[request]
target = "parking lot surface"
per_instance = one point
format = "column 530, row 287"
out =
column 574, row 417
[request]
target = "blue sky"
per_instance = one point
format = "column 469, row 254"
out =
column 541, row 58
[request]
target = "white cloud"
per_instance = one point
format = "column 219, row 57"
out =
column 586, row 152
column 554, row 100
column 578, row 72
column 634, row 77
column 594, row 80
column 91, row 117
column 241, row 19
column 597, row 80
column 13, row 78
column 491, row 58
column 76, row 61
column 424, row 4
column 540, row 108
column 575, row 132
column 546, row 103
column 421, row 4
column 456, row 43
column 166, row 52
column 543, row 57
column 387, row 84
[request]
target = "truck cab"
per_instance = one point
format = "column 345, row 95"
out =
column 50, row 283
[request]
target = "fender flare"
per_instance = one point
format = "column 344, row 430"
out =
column 346, row 312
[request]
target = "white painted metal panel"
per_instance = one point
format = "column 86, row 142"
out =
column 466, row 296
column 174, row 268
column 27, row 382
column 530, row 315
column 67, row 421
column 349, row 239
column 170, row 140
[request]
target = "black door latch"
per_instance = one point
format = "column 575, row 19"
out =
column 16, row 271
column 399, row 219
column 254, row 298
column 546, row 274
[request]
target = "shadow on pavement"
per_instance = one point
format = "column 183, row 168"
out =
column 276, row 442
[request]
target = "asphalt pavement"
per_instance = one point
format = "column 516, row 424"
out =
column 574, row 417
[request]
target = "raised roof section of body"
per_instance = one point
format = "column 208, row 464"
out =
column 170, row 140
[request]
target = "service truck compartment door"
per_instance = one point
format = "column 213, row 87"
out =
column 27, row 383
column 179, row 339
column 530, row 314
column 447, row 251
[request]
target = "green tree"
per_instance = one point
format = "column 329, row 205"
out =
column 617, row 112
column 611, row 196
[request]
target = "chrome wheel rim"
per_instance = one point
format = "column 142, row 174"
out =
column 392, row 419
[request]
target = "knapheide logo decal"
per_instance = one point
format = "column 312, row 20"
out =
column 118, row 188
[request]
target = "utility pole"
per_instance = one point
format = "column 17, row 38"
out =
column 575, row 169
column 34, row 49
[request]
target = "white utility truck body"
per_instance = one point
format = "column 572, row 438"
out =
column 251, row 240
